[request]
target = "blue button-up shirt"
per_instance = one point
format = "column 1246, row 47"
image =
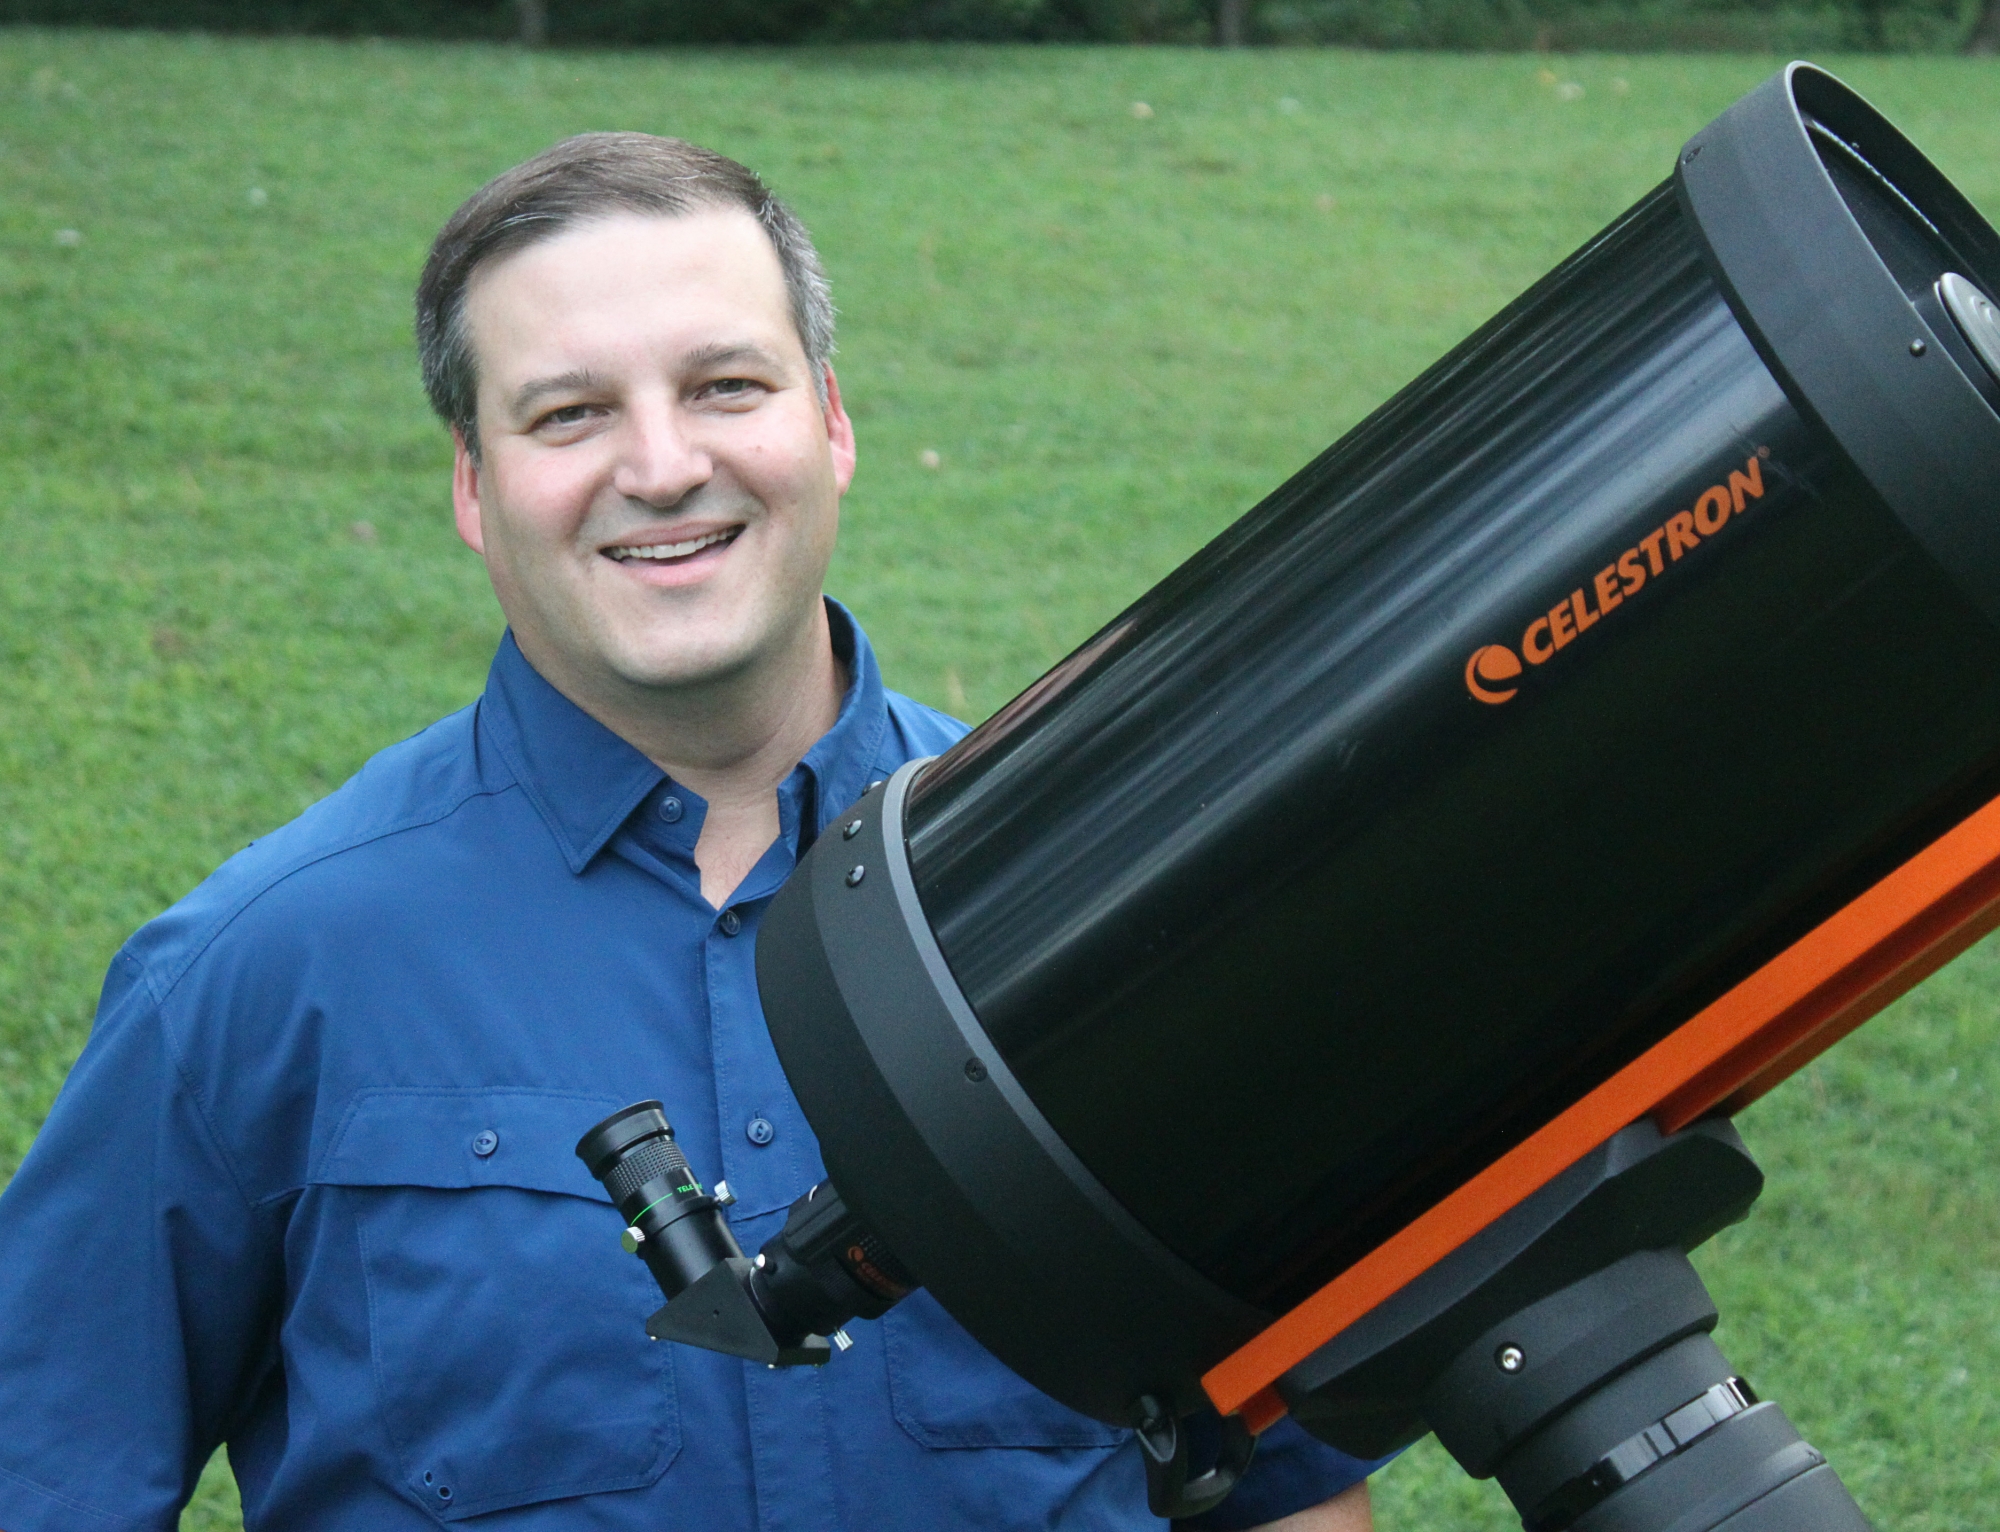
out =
column 311, row 1190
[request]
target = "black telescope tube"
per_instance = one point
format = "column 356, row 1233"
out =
column 1568, row 689
column 1636, row 637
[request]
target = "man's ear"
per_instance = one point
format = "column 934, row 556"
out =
column 465, row 494
column 839, row 436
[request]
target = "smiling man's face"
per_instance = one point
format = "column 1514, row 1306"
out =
column 659, row 483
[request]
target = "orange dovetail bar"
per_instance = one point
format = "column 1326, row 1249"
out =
column 1784, row 1015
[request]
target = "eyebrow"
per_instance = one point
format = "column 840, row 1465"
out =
column 579, row 380
column 722, row 353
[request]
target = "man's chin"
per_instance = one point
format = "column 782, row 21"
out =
column 684, row 668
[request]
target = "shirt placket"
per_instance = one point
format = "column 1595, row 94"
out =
column 769, row 1159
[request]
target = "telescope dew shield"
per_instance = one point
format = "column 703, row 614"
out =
column 1629, row 643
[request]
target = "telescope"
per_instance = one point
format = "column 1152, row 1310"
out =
column 1326, row 991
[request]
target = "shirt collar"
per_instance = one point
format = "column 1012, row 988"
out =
column 839, row 767
column 585, row 781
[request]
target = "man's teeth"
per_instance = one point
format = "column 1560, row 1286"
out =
column 674, row 550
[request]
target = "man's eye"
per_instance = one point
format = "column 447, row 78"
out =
column 568, row 415
column 730, row 388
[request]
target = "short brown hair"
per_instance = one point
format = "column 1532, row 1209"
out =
column 591, row 176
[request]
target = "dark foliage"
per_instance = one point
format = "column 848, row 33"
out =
column 1472, row 24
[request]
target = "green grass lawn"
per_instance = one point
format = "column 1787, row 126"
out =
column 230, row 574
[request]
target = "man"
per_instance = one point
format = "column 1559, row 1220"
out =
column 310, row 1188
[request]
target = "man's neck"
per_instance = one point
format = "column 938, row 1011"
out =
column 742, row 787
column 734, row 743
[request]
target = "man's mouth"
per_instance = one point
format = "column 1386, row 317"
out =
column 668, row 553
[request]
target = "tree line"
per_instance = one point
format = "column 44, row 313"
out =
column 1775, row 25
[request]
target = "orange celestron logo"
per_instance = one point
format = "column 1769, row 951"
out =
column 1492, row 671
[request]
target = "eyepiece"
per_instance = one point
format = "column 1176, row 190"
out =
column 618, row 1142
column 619, row 1131
column 672, row 1223
column 822, row 1269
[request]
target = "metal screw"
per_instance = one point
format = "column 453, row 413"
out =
column 1510, row 1358
column 853, row 829
column 974, row 1071
column 723, row 1194
column 841, row 1339
column 632, row 1239
column 1918, row 348
column 855, row 874
column 759, row 1262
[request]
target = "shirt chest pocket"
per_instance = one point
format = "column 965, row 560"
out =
column 506, row 1326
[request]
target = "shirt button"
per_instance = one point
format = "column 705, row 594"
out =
column 731, row 922
column 759, row 1130
column 485, row 1142
column 671, row 809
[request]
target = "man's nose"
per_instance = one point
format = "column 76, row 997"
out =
column 659, row 462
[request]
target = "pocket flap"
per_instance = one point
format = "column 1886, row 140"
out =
column 439, row 1138
column 505, row 1328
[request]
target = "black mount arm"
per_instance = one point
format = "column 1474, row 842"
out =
column 1566, row 1351
column 1164, row 1440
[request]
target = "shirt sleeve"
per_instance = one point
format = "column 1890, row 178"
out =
column 138, row 1289
column 1291, row 1472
